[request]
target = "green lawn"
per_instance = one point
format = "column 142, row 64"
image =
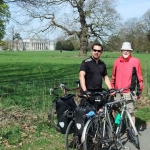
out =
column 25, row 79
column 23, row 66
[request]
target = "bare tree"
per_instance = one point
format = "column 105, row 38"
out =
column 135, row 31
column 84, row 18
column 146, row 24
column 146, row 20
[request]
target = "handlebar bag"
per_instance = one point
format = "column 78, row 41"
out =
column 97, row 101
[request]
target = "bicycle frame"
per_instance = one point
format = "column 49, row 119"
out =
column 123, row 112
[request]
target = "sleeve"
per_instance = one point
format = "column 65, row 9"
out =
column 113, row 75
column 83, row 66
column 139, row 77
column 105, row 71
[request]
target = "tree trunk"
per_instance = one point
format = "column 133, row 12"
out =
column 83, row 41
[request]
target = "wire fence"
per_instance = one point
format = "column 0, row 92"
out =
column 32, row 95
column 36, row 94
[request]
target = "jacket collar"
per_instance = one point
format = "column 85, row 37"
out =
column 122, row 59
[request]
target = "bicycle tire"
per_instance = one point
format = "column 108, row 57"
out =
column 53, row 116
column 131, row 134
column 72, row 140
column 93, row 136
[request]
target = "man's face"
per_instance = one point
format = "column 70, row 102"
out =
column 96, row 51
column 126, row 53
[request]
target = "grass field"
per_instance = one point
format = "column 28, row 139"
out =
column 29, row 66
column 25, row 79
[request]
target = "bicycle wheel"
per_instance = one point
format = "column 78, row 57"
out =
column 93, row 136
column 131, row 132
column 72, row 140
column 53, row 116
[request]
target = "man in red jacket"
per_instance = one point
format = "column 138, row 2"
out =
column 126, row 73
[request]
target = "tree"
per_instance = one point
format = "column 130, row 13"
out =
column 59, row 45
column 4, row 17
column 84, row 18
column 146, row 24
column 131, row 31
column 146, row 21
column 67, row 45
column 113, row 44
column 148, row 35
column 75, row 41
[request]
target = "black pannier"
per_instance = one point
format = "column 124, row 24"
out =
column 63, row 106
column 80, row 117
column 69, row 100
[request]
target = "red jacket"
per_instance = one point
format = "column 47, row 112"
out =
column 127, row 73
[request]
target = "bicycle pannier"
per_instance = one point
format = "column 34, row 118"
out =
column 80, row 117
column 61, row 110
column 69, row 100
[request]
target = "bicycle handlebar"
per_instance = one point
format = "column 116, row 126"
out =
column 52, row 91
column 123, row 89
column 106, row 92
column 120, row 91
column 63, row 87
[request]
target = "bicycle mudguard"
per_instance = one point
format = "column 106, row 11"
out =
column 84, row 130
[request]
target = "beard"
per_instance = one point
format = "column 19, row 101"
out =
column 125, row 55
column 95, row 57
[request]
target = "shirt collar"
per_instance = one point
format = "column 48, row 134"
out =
column 95, row 60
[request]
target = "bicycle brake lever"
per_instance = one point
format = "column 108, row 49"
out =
column 62, row 85
column 51, row 90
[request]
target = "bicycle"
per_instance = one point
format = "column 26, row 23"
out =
column 72, row 136
column 101, row 131
column 52, row 114
column 92, row 133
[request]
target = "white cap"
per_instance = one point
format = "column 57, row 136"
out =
column 126, row 46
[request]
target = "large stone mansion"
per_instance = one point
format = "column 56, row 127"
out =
column 32, row 44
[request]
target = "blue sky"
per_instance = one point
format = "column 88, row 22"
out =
column 126, row 8
column 132, row 8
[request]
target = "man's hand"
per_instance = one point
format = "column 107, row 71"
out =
column 112, row 92
column 138, row 94
column 87, row 93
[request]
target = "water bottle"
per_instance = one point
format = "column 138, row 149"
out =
column 118, row 119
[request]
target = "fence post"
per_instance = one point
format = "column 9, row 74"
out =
column 146, row 78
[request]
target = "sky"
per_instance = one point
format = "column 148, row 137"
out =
column 126, row 8
column 132, row 8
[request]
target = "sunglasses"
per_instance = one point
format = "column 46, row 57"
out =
column 99, row 51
